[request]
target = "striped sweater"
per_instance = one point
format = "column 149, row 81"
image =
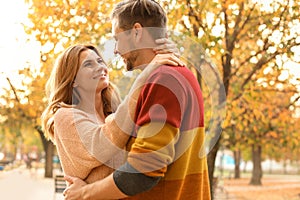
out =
column 169, row 136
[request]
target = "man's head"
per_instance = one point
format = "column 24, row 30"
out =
column 135, row 26
column 148, row 13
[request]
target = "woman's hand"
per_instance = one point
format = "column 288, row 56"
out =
column 166, row 46
column 73, row 191
column 167, row 59
column 158, row 60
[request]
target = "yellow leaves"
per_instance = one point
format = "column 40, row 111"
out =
column 240, row 126
column 245, row 123
column 227, row 121
column 273, row 134
column 255, row 129
column 259, row 106
column 296, row 142
column 257, row 113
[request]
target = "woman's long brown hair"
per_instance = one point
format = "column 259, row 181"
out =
column 60, row 91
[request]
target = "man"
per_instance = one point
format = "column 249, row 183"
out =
column 165, row 159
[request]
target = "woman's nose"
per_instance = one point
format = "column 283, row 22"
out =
column 102, row 67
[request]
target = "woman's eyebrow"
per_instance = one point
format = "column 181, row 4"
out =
column 87, row 61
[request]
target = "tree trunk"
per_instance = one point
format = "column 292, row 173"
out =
column 216, row 129
column 270, row 168
column 257, row 170
column 237, row 161
column 49, row 160
column 215, row 141
column 211, row 158
column 245, row 167
column 49, row 151
column 284, row 166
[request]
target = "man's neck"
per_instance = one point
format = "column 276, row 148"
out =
column 145, row 57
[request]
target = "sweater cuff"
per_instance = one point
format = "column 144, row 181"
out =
column 132, row 182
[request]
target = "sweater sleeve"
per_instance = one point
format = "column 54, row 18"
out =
column 161, row 105
column 161, row 109
column 124, row 116
column 75, row 159
column 100, row 141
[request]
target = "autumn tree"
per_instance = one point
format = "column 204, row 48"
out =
column 241, row 37
column 57, row 25
column 18, row 113
column 266, row 122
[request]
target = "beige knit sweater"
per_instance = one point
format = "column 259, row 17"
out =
column 87, row 149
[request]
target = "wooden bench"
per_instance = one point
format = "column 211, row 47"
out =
column 59, row 184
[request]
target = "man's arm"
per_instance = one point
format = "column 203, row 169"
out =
column 110, row 187
column 107, row 188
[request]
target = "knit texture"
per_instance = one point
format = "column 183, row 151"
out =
column 169, row 136
column 86, row 149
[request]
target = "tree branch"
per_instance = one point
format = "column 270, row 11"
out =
column 13, row 89
column 257, row 67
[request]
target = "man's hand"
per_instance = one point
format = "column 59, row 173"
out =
column 73, row 191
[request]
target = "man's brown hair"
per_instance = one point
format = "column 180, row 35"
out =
column 146, row 12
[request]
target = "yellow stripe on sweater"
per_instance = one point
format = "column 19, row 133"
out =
column 160, row 145
column 192, row 159
column 153, row 148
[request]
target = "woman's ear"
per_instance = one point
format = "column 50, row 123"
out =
column 75, row 84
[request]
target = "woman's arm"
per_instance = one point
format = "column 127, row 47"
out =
column 124, row 116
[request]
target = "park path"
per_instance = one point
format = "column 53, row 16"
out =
column 275, row 187
column 24, row 184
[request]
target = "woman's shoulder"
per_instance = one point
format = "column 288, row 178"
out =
column 62, row 112
column 65, row 113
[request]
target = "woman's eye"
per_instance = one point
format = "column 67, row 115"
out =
column 100, row 60
column 87, row 64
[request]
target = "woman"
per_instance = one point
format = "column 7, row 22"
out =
column 89, row 143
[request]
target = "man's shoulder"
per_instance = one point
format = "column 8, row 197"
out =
column 166, row 72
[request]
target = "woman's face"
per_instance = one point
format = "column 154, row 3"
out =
column 92, row 74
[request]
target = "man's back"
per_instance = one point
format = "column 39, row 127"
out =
column 170, row 136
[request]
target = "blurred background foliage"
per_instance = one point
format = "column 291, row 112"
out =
column 251, row 44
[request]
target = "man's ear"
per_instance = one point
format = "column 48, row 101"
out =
column 137, row 32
